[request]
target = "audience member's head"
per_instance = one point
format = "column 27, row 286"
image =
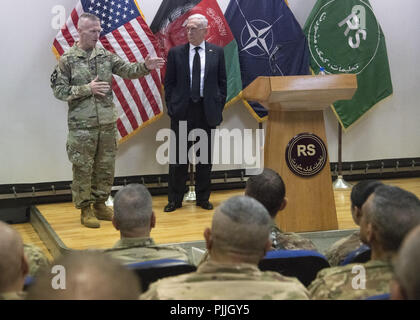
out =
column 359, row 194
column 269, row 189
column 133, row 212
column 239, row 232
column 85, row 275
column 406, row 285
column 388, row 216
column 13, row 264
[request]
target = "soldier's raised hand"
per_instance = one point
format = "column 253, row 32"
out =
column 99, row 88
column 154, row 63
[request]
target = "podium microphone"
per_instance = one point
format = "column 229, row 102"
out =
column 276, row 49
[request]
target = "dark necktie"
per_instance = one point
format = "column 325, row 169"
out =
column 196, row 72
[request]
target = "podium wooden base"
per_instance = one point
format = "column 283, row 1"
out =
column 311, row 205
column 296, row 105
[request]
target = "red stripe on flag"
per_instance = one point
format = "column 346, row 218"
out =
column 67, row 35
column 58, row 47
column 146, row 89
column 124, row 46
column 143, row 50
column 117, row 35
column 75, row 17
column 121, row 128
column 132, row 91
column 124, row 104
column 106, row 44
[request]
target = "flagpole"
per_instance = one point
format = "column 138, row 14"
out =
column 190, row 196
column 340, row 183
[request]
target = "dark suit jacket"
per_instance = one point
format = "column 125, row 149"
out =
column 177, row 83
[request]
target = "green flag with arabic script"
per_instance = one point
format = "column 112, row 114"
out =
column 345, row 37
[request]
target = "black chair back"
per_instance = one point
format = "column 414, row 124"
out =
column 360, row 255
column 153, row 270
column 302, row 264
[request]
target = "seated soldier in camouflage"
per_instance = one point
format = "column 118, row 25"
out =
column 13, row 264
column 269, row 189
column 406, row 283
column 388, row 216
column 86, row 275
column 134, row 218
column 340, row 249
column 237, row 241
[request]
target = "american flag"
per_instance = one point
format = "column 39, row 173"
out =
column 125, row 33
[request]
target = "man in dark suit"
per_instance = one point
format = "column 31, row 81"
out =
column 195, row 92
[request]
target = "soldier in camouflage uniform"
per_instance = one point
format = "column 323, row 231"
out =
column 269, row 189
column 232, row 269
column 83, row 78
column 388, row 215
column 340, row 249
column 134, row 218
column 13, row 264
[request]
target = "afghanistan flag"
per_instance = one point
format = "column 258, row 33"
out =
column 270, row 41
column 168, row 27
column 345, row 37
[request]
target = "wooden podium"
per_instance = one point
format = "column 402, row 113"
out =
column 295, row 105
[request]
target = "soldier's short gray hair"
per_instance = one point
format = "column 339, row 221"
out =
column 87, row 16
column 407, row 265
column 393, row 212
column 241, row 224
column 133, row 207
column 203, row 22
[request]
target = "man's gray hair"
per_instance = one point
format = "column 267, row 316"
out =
column 393, row 212
column 407, row 265
column 202, row 19
column 88, row 16
column 241, row 224
column 133, row 207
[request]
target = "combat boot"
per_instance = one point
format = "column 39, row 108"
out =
column 102, row 212
column 88, row 219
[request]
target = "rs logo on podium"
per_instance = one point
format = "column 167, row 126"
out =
column 305, row 150
column 306, row 154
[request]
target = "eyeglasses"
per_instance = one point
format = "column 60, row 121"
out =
column 193, row 30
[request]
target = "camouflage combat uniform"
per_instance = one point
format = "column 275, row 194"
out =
column 131, row 250
column 13, row 296
column 36, row 258
column 340, row 249
column 289, row 240
column 340, row 283
column 92, row 139
column 216, row 281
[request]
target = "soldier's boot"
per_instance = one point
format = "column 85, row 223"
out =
column 102, row 212
column 88, row 218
